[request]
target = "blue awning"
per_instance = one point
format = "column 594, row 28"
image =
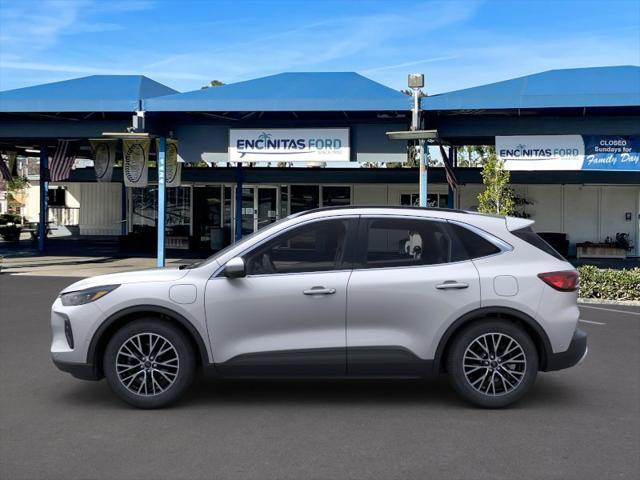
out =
column 96, row 93
column 570, row 88
column 288, row 92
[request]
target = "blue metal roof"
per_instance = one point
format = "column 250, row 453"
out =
column 577, row 87
column 300, row 91
column 96, row 93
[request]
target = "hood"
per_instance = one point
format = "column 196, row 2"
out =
column 137, row 276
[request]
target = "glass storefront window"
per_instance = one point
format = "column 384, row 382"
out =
column 284, row 201
column 207, row 217
column 434, row 200
column 178, row 206
column 144, row 207
column 334, row 196
column 226, row 214
column 409, row 199
column 304, row 197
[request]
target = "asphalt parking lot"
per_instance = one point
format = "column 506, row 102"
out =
column 582, row 423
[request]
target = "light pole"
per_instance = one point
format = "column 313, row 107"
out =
column 416, row 82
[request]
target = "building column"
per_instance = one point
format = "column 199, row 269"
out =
column 162, row 149
column 423, row 156
column 238, row 221
column 44, row 198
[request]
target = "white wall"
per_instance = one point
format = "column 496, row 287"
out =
column 615, row 202
column 31, row 209
column 100, row 208
column 370, row 194
column 545, row 209
column 586, row 213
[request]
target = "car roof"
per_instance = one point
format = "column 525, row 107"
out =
column 489, row 222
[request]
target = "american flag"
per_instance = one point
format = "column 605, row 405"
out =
column 61, row 162
column 4, row 170
column 448, row 170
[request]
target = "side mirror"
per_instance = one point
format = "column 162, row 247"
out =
column 235, row 268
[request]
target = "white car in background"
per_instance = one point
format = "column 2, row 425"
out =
column 355, row 292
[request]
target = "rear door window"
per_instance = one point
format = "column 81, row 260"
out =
column 402, row 242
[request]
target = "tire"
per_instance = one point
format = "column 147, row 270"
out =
column 497, row 382
column 137, row 376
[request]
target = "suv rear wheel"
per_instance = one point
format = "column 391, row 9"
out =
column 492, row 363
column 149, row 363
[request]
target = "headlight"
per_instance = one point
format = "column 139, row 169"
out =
column 80, row 297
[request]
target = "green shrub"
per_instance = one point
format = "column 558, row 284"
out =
column 6, row 218
column 609, row 284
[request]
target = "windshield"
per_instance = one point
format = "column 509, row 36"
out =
column 237, row 244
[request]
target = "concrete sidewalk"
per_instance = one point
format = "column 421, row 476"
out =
column 73, row 266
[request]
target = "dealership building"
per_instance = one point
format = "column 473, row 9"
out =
column 252, row 152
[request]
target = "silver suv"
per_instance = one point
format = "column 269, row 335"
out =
column 355, row 292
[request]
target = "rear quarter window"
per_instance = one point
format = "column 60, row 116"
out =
column 532, row 238
column 470, row 245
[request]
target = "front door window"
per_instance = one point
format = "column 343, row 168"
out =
column 318, row 246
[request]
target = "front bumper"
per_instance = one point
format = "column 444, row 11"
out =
column 83, row 371
column 573, row 355
column 72, row 330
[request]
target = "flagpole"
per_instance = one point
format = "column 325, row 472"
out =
column 44, row 198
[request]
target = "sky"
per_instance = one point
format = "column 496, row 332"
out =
column 186, row 44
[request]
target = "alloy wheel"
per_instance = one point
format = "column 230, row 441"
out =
column 494, row 364
column 147, row 364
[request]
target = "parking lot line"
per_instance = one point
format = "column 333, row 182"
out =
column 609, row 309
column 591, row 321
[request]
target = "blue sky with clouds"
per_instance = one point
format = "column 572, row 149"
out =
column 187, row 43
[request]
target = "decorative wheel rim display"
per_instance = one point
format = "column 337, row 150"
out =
column 494, row 364
column 147, row 364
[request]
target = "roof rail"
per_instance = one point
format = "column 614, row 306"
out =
column 397, row 207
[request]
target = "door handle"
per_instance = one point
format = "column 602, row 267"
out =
column 319, row 291
column 452, row 285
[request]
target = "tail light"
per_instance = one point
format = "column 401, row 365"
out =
column 562, row 281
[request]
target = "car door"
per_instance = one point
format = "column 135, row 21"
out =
column 409, row 282
column 287, row 316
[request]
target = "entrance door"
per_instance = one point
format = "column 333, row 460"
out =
column 259, row 207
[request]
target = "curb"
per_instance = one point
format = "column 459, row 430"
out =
column 629, row 303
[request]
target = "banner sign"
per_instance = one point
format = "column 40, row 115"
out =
column 104, row 157
column 541, row 152
column 136, row 161
column 569, row 152
column 173, row 166
column 611, row 153
column 289, row 145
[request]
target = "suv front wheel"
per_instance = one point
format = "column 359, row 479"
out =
column 149, row 363
column 492, row 363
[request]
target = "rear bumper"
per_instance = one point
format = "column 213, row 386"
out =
column 84, row 371
column 573, row 355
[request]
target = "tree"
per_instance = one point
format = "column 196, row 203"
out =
column 497, row 196
column 213, row 83
column 474, row 155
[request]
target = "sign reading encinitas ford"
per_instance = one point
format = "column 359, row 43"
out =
column 569, row 152
column 289, row 145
